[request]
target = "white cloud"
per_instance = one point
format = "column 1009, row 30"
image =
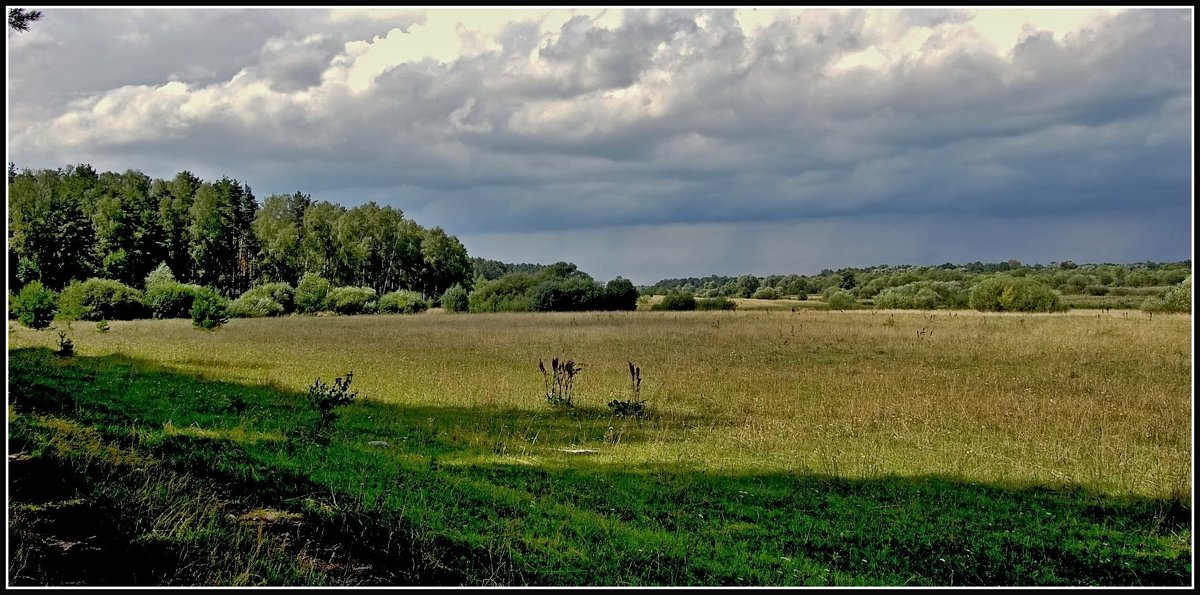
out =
column 604, row 117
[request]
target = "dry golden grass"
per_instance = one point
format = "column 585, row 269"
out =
column 1101, row 401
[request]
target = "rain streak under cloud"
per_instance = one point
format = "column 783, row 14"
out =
column 653, row 143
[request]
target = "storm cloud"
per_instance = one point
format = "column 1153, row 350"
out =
column 653, row 143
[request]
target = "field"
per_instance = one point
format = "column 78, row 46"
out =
column 782, row 447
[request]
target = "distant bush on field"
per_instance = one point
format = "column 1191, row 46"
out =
column 209, row 310
column 839, row 299
column 270, row 299
column 717, row 303
column 766, row 293
column 171, row 299
column 1003, row 293
column 34, row 305
column 676, row 301
column 311, row 292
column 351, row 300
column 403, row 302
column 1175, row 299
column 456, row 299
column 100, row 299
column 922, row 295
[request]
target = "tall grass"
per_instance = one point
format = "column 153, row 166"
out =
column 1080, row 399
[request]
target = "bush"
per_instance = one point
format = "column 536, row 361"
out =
column 1176, row 299
column 766, row 293
column 676, row 301
column 839, row 299
column 311, row 293
column 351, row 300
column 100, row 299
column 252, row 306
column 567, row 294
column 506, row 294
column 1002, row 293
column 620, row 294
column 271, row 299
column 280, row 293
column 209, row 310
column 326, row 400
column 171, row 299
column 922, row 295
column 456, row 299
column 66, row 347
column 717, row 303
column 405, row 302
column 34, row 305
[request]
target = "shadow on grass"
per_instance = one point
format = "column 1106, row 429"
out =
column 398, row 518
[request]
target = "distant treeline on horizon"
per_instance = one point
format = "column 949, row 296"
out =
column 1066, row 277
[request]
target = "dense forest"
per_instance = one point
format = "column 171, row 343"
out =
column 74, row 223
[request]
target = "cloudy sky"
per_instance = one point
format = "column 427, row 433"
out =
column 653, row 143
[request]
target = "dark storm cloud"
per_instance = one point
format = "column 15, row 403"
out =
column 656, row 119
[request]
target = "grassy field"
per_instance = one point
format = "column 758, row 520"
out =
column 806, row 447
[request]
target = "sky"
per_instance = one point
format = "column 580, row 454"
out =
column 652, row 143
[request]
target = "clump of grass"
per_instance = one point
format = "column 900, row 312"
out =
column 635, row 407
column 560, row 381
column 102, row 326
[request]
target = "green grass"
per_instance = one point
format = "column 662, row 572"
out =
column 783, row 448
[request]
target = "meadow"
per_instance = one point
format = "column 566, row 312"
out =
column 781, row 447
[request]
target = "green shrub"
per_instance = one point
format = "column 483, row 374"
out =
column 327, row 399
column 506, row 294
column 254, row 306
column 405, row 302
column 620, row 294
column 766, row 292
column 270, row 299
column 456, row 299
column 717, row 303
column 209, row 310
column 34, row 305
column 311, row 293
column 839, row 299
column 171, row 299
column 351, row 300
column 567, row 294
column 922, row 295
column 280, row 293
column 676, row 301
column 100, row 299
column 1002, row 293
column 1176, row 299
column 66, row 347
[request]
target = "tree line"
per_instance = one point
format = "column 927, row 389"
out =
column 1066, row 277
column 73, row 223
